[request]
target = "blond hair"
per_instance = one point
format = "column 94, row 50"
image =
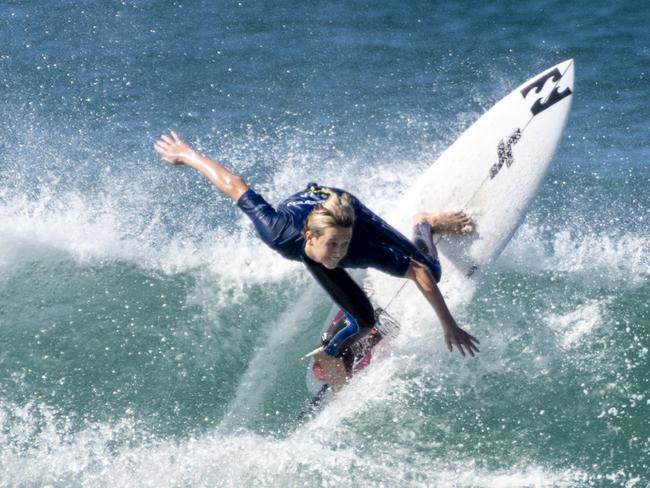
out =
column 336, row 211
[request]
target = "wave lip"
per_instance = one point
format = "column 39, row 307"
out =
column 91, row 230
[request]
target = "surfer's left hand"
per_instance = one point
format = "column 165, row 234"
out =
column 463, row 341
column 173, row 149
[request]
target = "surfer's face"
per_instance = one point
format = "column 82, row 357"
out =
column 330, row 247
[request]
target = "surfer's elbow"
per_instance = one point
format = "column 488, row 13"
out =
column 415, row 271
column 421, row 275
column 410, row 272
column 234, row 186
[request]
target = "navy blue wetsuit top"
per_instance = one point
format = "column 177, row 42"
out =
column 374, row 244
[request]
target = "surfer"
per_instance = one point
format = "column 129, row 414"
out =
column 330, row 230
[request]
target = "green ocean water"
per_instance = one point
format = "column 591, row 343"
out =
column 147, row 338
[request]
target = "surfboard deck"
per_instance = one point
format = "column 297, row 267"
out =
column 496, row 167
column 492, row 172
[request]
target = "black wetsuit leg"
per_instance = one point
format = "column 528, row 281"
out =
column 349, row 296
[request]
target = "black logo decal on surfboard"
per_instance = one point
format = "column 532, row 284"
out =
column 504, row 151
column 553, row 98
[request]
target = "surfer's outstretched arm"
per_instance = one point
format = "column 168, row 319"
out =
column 454, row 335
column 175, row 150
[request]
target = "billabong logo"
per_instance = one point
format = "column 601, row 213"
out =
column 556, row 95
column 504, row 151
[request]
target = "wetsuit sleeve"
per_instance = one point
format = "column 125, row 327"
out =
column 389, row 260
column 270, row 224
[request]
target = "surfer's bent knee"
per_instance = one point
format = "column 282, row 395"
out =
column 351, row 332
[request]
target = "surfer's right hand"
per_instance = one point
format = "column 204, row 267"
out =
column 463, row 341
column 173, row 149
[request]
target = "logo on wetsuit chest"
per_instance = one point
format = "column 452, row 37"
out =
column 320, row 194
column 301, row 203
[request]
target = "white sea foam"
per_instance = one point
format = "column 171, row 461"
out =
column 315, row 455
column 621, row 258
column 574, row 326
column 261, row 372
column 88, row 230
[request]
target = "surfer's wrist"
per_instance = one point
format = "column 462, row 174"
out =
column 192, row 158
column 449, row 325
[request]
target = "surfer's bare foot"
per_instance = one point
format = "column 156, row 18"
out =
column 334, row 370
column 446, row 222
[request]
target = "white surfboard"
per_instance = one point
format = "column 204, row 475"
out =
column 492, row 172
column 495, row 168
